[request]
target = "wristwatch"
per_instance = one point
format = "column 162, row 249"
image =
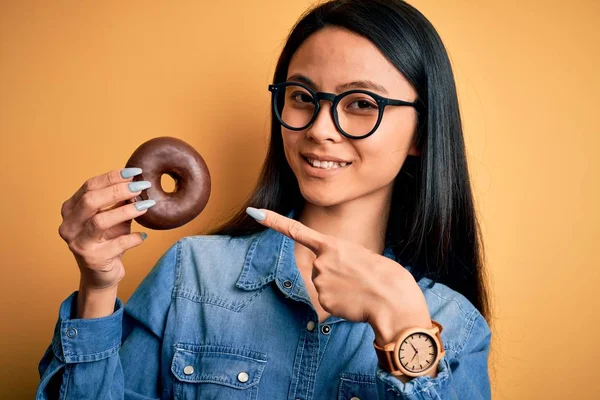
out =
column 414, row 353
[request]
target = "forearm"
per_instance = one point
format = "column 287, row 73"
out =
column 94, row 303
column 390, row 317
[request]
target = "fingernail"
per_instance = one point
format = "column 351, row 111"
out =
column 144, row 235
column 129, row 172
column 256, row 213
column 144, row 204
column 139, row 185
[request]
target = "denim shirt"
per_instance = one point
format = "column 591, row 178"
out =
column 230, row 318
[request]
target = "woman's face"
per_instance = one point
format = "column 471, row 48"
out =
column 336, row 60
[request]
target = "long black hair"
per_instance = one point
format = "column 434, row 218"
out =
column 432, row 224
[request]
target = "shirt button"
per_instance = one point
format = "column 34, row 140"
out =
column 310, row 326
column 325, row 329
column 188, row 370
column 71, row 332
column 243, row 377
column 287, row 284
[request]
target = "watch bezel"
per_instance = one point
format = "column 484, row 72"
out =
column 405, row 335
column 398, row 362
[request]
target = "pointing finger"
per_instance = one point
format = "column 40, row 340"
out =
column 293, row 229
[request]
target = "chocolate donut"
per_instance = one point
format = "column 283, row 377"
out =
column 179, row 160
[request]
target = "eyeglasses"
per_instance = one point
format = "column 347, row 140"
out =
column 356, row 113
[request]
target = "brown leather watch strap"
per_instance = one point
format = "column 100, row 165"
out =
column 385, row 359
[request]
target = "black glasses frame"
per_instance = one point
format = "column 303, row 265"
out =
column 382, row 102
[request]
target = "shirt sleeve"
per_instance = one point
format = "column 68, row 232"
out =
column 88, row 358
column 464, row 375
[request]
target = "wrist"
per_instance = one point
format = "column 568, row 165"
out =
column 398, row 304
column 387, row 325
column 390, row 319
column 95, row 303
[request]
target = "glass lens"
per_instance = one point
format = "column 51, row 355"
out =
column 295, row 105
column 357, row 114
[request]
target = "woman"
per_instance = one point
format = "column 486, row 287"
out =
column 359, row 275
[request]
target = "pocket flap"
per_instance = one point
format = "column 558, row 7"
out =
column 238, row 368
column 356, row 385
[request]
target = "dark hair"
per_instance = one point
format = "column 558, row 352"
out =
column 432, row 224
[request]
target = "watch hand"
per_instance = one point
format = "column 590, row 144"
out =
column 414, row 348
column 414, row 356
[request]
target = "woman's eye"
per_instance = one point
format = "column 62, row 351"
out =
column 302, row 97
column 362, row 105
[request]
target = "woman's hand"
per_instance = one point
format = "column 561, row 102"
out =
column 97, row 226
column 356, row 283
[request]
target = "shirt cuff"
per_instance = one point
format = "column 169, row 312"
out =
column 85, row 340
column 419, row 387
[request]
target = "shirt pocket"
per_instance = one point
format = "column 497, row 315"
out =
column 216, row 372
column 354, row 386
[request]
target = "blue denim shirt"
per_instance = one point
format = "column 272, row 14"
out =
column 230, row 318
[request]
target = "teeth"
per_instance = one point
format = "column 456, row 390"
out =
column 326, row 164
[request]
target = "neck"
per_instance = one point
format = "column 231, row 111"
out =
column 362, row 221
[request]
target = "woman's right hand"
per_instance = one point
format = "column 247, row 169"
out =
column 97, row 226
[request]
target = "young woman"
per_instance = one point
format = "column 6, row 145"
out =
column 354, row 271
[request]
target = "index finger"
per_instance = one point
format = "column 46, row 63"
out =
column 100, row 182
column 291, row 228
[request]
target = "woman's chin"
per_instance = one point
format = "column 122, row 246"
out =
column 321, row 198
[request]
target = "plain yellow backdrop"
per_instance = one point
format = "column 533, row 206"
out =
column 82, row 84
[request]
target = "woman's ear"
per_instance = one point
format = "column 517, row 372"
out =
column 414, row 150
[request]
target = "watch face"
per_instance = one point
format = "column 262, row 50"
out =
column 417, row 352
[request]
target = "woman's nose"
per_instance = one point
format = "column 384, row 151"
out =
column 323, row 128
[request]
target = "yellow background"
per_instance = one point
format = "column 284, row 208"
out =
column 82, row 84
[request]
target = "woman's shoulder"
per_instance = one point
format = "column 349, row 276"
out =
column 463, row 324
column 209, row 263
column 195, row 248
column 442, row 296
column 211, row 246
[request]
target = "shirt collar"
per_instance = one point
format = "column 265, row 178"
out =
column 268, row 254
column 271, row 257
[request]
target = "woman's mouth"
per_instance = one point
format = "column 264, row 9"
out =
column 326, row 165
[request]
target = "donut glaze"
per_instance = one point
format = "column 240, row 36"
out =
column 179, row 160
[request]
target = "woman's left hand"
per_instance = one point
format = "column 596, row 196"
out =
column 356, row 283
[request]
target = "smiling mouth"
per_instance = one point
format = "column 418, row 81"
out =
column 327, row 165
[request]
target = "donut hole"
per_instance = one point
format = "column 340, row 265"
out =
column 167, row 183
